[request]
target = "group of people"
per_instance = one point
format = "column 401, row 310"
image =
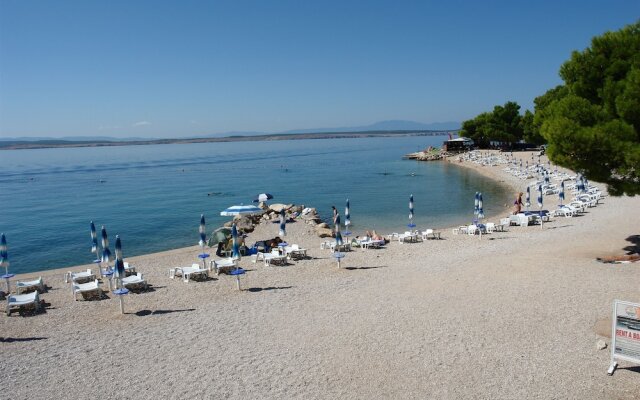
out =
column 373, row 235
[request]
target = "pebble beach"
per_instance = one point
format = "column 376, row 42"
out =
column 508, row 315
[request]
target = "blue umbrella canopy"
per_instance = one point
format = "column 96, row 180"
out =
column 480, row 209
column 540, row 196
column 106, row 253
column 94, row 239
column 4, row 255
column 411, row 224
column 202, row 231
column 119, row 264
column 528, row 199
column 283, row 225
column 236, row 243
column 240, row 210
column 262, row 197
column 347, row 215
column 561, row 194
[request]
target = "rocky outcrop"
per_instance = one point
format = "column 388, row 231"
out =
column 247, row 223
column 427, row 155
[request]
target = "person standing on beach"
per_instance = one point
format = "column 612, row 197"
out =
column 518, row 203
column 335, row 215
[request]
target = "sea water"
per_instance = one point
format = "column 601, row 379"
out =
column 153, row 195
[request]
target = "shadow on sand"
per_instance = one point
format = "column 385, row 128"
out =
column 144, row 313
column 258, row 289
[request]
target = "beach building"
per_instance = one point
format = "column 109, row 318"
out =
column 458, row 144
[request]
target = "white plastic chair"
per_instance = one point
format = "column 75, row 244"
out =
column 490, row 227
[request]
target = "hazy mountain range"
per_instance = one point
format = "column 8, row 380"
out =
column 391, row 125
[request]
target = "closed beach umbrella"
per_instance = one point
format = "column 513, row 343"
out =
column 480, row 208
column 283, row 225
column 540, row 196
column 540, row 203
column 94, row 240
column 106, row 253
column 411, row 224
column 585, row 184
column 476, row 203
column 338, row 235
column 119, row 263
column 236, row 243
column 546, row 177
column 528, row 199
column 262, row 197
column 203, row 232
column 240, row 210
column 119, row 274
column 4, row 255
column 347, row 215
column 561, row 194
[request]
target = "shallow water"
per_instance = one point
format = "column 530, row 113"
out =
column 152, row 196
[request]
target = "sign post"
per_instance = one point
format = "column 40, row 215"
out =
column 625, row 333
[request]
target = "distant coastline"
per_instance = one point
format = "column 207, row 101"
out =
column 46, row 144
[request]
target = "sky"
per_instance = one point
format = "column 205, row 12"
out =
column 187, row 68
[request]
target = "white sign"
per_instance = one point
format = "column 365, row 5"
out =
column 625, row 333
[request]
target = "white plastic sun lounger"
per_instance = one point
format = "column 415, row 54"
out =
column 193, row 271
column 135, row 281
column 223, row 265
column 90, row 287
column 20, row 301
column 37, row 284
column 79, row 277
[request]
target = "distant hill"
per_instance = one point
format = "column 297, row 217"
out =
column 382, row 126
column 391, row 125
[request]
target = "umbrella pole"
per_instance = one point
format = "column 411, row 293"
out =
column 122, row 304
column 238, row 281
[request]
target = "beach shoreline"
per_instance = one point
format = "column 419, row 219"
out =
column 508, row 315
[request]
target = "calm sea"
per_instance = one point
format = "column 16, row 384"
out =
column 152, row 196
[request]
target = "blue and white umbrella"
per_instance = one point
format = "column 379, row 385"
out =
column 106, row 253
column 262, row 197
column 540, row 203
column 203, row 232
column 476, row 203
column 119, row 274
column 338, row 234
column 480, row 208
column 94, row 240
column 546, row 177
column 4, row 255
column 119, row 263
column 347, row 215
column 561, row 194
column 411, row 224
column 235, row 252
column 241, row 210
column 540, row 197
column 283, row 225
column 528, row 198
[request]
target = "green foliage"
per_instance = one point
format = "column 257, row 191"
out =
column 592, row 123
column 503, row 124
